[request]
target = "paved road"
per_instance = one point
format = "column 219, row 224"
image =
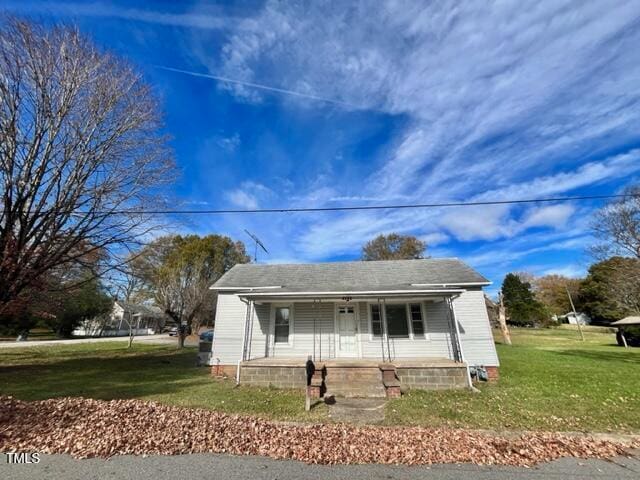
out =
column 194, row 467
column 163, row 338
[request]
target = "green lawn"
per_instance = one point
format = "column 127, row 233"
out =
column 550, row 380
column 152, row 372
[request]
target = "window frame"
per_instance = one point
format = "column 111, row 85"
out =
column 407, row 305
column 274, row 307
column 423, row 319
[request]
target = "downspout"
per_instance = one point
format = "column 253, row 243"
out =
column 459, row 341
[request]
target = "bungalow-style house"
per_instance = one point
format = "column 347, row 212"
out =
column 370, row 327
column 143, row 319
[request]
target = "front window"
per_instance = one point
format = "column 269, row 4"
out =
column 282, row 323
column 417, row 324
column 376, row 320
column 397, row 325
column 402, row 320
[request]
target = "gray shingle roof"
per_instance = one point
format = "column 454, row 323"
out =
column 352, row 276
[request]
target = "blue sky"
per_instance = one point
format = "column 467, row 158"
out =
column 389, row 102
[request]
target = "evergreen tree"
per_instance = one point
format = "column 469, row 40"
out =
column 520, row 302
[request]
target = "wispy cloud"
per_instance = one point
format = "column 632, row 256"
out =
column 202, row 20
column 258, row 86
column 503, row 101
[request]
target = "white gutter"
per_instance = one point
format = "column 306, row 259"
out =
column 465, row 284
column 213, row 287
column 347, row 293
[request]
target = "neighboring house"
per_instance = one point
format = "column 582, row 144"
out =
column 146, row 320
column 575, row 318
column 425, row 320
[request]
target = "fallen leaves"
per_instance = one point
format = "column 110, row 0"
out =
column 87, row 428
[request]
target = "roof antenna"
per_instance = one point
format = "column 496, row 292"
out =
column 257, row 242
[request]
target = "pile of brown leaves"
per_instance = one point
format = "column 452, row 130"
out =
column 93, row 428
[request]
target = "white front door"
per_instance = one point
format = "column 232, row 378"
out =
column 347, row 331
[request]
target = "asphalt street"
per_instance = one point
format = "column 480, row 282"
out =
column 209, row 466
column 161, row 339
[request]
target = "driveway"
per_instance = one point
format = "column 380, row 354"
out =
column 210, row 466
column 161, row 339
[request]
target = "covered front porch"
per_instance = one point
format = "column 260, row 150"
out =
column 385, row 326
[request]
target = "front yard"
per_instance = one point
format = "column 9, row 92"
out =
column 550, row 380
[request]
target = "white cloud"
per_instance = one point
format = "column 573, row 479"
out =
column 554, row 216
column 242, row 199
column 230, row 144
column 499, row 101
column 571, row 271
column 248, row 195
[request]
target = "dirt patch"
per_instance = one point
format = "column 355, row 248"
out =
column 92, row 428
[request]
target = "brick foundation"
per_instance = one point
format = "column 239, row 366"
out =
column 493, row 373
column 274, row 376
column 432, row 378
column 355, row 380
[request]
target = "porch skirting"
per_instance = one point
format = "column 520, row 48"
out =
column 354, row 378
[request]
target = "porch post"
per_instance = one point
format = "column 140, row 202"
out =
column 320, row 335
column 385, row 330
column 313, row 306
column 252, row 315
column 381, row 329
column 244, row 335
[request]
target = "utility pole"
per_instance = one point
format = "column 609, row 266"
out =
column 502, row 320
column 575, row 315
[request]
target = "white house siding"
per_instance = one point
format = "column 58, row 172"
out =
column 475, row 330
column 301, row 341
column 258, row 347
column 227, row 340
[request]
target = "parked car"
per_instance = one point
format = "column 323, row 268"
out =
column 173, row 332
column 206, row 336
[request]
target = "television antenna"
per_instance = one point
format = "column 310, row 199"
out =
column 256, row 244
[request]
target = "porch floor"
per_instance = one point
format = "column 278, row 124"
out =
column 436, row 362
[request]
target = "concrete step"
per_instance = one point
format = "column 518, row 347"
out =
column 355, row 382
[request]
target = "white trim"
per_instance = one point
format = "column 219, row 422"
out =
column 213, row 287
column 356, row 319
column 461, row 284
column 272, row 328
column 425, row 334
column 406, row 303
column 349, row 293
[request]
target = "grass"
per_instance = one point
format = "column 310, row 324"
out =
column 550, row 380
column 151, row 372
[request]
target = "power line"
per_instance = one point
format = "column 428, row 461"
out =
column 370, row 207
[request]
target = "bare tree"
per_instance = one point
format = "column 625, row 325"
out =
column 81, row 153
column 617, row 225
